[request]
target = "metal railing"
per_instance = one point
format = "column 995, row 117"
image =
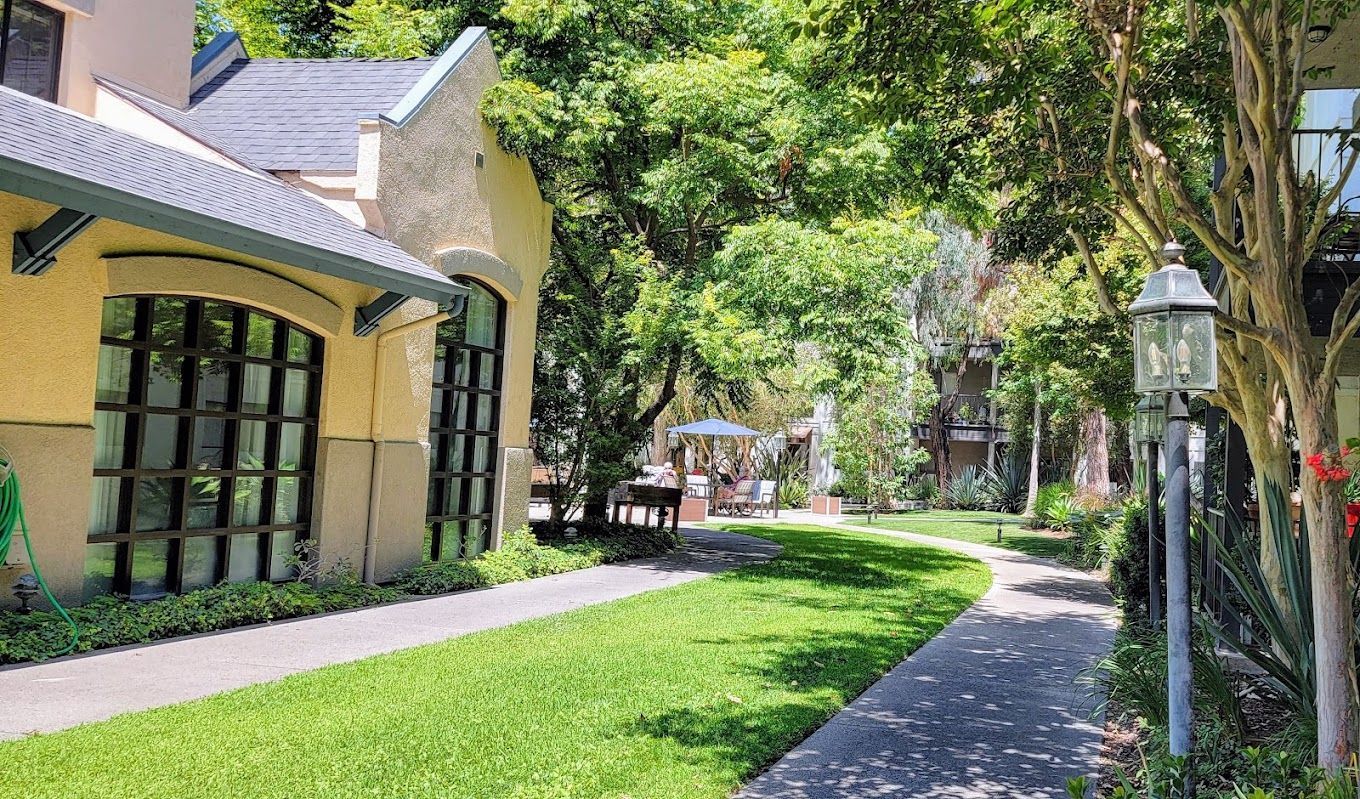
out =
column 1324, row 153
column 972, row 409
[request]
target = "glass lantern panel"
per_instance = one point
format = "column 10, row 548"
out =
column 1152, row 356
column 1193, row 358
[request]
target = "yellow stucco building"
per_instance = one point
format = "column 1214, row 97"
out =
column 253, row 302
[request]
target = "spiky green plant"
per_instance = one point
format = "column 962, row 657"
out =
column 967, row 491
column 1007, row 484
column 1285, row 653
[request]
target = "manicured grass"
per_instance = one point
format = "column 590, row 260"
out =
column 684, row 692
column 978, row 527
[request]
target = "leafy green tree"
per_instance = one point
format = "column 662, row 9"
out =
column 1060, row 342
column 713, row 210
column 272, row 28
column 876, row 450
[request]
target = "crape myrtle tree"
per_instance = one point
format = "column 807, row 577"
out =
column 1106, row 114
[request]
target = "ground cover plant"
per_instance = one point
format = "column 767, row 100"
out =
column 685, row 692
column 978, row 527
column 108, row 622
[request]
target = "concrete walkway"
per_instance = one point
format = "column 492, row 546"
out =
column 987, row 708
column 75, row 690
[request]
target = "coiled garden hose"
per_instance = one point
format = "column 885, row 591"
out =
column 12, row 514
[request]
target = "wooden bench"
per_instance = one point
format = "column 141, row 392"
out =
column 662, row 498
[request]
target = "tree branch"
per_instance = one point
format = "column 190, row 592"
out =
column 1102, row 286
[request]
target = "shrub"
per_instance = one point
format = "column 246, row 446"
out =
column 1133, row 676
column 108, row 621
column 1092, row 532
column 1007, row 485
column 522, row 557
column 1047, row 495
column 924, row 489
column 1281, row 643
column 1060, row 513
column 795, row 493
column 1129, row 559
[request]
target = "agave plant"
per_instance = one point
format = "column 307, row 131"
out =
column 1008, row 484
column 1286, row 653
column 967, row 491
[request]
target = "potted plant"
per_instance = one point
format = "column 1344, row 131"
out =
column 824, row 502
column 1342, row 466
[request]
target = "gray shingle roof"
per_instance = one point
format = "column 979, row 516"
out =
column 300, row 114
column 60, row 157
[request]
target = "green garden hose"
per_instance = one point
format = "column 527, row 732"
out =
column 12, row 513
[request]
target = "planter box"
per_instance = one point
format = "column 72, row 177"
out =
column 693, row 509
column 826, row 506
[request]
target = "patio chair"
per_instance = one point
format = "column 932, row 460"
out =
column 737, row 500
column 762, row 496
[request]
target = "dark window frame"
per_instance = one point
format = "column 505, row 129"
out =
column 445, row 430
column 58, row 43
column 137, row 411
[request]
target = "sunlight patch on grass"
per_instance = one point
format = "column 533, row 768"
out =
column 683, row 692
column 978, row 527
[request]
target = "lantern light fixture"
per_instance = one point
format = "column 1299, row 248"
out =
column 1173, row 330
column 1149, row 419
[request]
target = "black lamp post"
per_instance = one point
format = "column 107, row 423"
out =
column 1149, row 425
column 1174, row 355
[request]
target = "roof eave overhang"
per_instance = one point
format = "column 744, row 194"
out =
column 38, row 183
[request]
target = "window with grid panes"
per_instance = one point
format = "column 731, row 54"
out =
column 464, row 420
column 205, row 435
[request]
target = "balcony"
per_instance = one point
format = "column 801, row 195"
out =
column 972, row 409
column 1324, row 153
column 972, row 420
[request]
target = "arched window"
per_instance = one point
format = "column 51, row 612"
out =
column 464, row 420
column 205, row 435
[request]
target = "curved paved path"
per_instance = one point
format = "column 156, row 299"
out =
column 987, row 708
column 92, row 687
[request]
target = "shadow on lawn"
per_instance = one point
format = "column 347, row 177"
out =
column 818, row 671
column 994, row 710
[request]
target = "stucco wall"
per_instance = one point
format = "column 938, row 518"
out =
column 142, row 44
column 438, row 204
column 50, row 325
column 435, row 198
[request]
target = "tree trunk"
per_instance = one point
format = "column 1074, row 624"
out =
column 1093, row 464
column 1333, row 617
column 939, row 448
column 1263, row 430
column 1032, row 496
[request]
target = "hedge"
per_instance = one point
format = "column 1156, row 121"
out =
column 108, row 622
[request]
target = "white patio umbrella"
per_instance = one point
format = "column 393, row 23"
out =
column 713, row 428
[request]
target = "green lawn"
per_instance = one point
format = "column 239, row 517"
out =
column 685, row 692
column 978, row 527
